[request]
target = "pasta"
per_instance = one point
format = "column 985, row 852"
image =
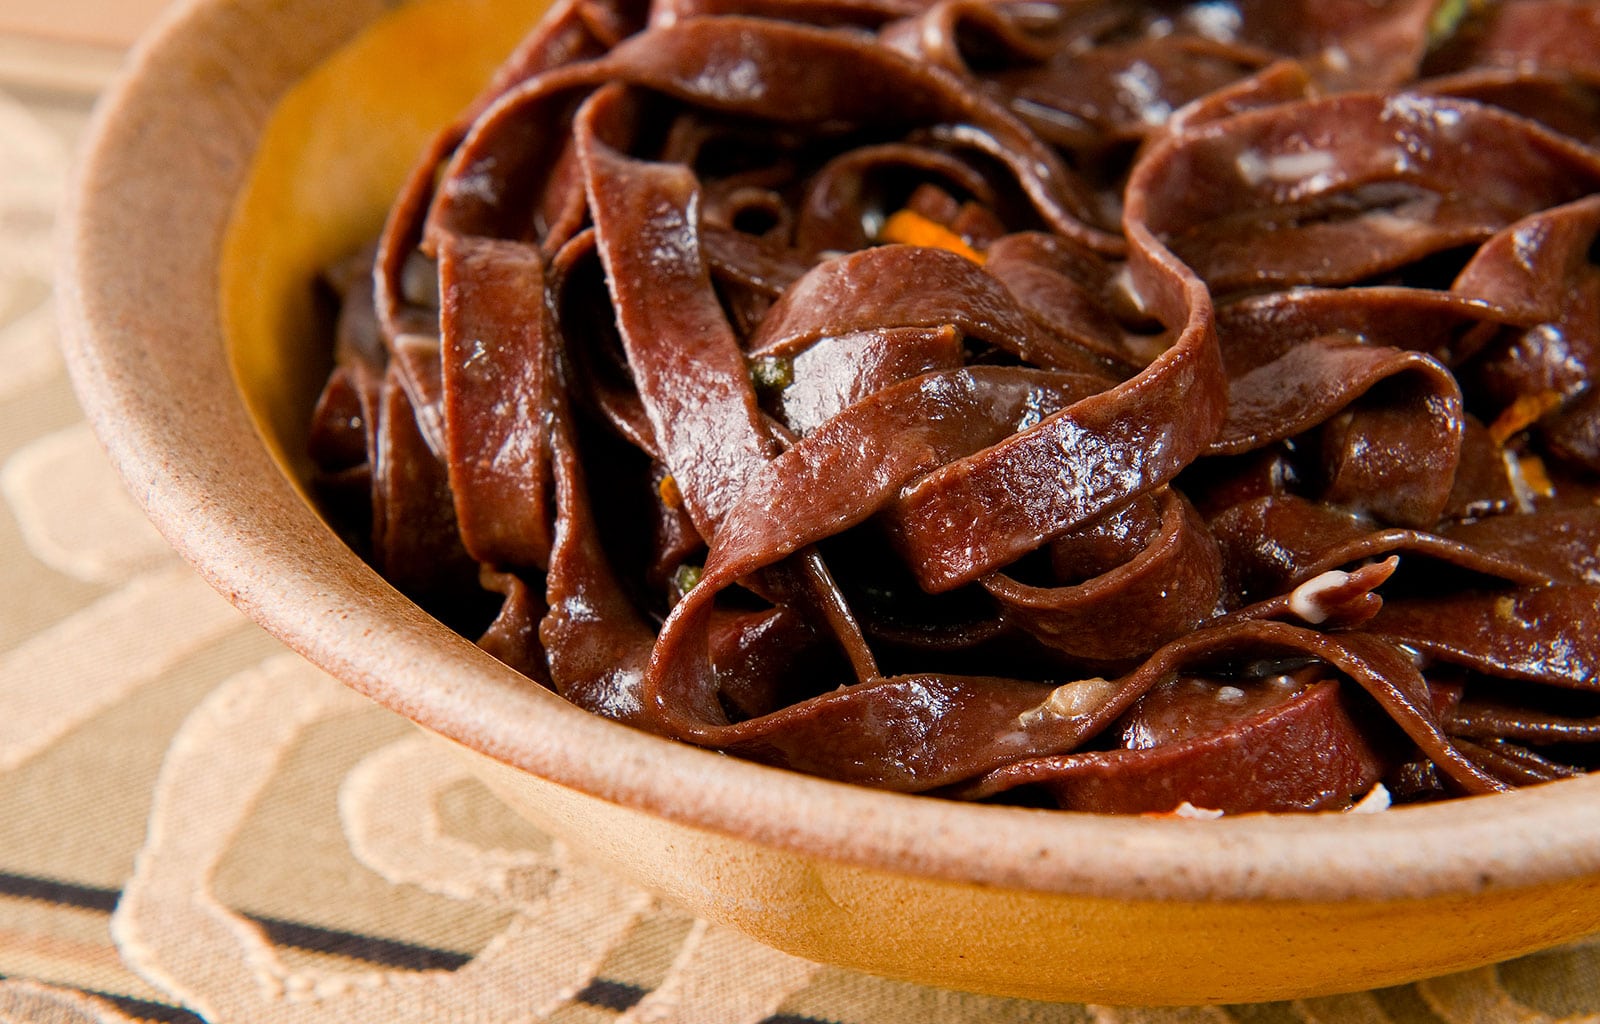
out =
column 1083, row 404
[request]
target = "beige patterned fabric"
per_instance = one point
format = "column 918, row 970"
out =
column 197, row 825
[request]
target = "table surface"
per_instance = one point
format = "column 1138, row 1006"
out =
column 176, row 845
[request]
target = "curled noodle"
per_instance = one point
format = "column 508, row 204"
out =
column 1095, row 405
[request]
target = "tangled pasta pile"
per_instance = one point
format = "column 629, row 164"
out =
column 1076, row 403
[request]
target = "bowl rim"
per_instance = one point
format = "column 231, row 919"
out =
column 145, row 220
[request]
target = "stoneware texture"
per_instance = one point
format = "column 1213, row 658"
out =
column 252, row 139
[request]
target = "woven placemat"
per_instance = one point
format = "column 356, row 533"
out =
column 197, row 825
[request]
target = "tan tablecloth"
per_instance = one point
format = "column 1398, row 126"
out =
column 195, row 824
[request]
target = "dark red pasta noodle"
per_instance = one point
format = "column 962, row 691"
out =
column 1105, row 405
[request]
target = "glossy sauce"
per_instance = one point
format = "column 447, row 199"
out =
column 1110, row 405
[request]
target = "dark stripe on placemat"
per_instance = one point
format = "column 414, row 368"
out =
column 143, row 1009
column 406, row 956
column 409, row 956
column 611, row 995
column 312, row 938
column 789, row 1018
column 68, row 894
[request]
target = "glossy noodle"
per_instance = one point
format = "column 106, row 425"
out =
column 1088, row 405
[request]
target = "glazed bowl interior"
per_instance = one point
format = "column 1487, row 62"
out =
column 253, row 142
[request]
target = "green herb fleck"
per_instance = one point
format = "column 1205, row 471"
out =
column 1448, row 17
column 687, row 577
column 772, row 373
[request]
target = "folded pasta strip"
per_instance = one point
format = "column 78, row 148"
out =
column 1104, row 405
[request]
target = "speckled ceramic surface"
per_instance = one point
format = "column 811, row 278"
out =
column 220, row 174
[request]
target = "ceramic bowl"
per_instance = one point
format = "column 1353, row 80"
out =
column 249, row 141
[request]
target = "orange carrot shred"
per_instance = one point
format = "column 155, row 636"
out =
column 1535, row 476
column 670, row 495
column 1522, row 414
column 912, row 228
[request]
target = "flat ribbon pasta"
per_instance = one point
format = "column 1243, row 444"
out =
column 1108, row 405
